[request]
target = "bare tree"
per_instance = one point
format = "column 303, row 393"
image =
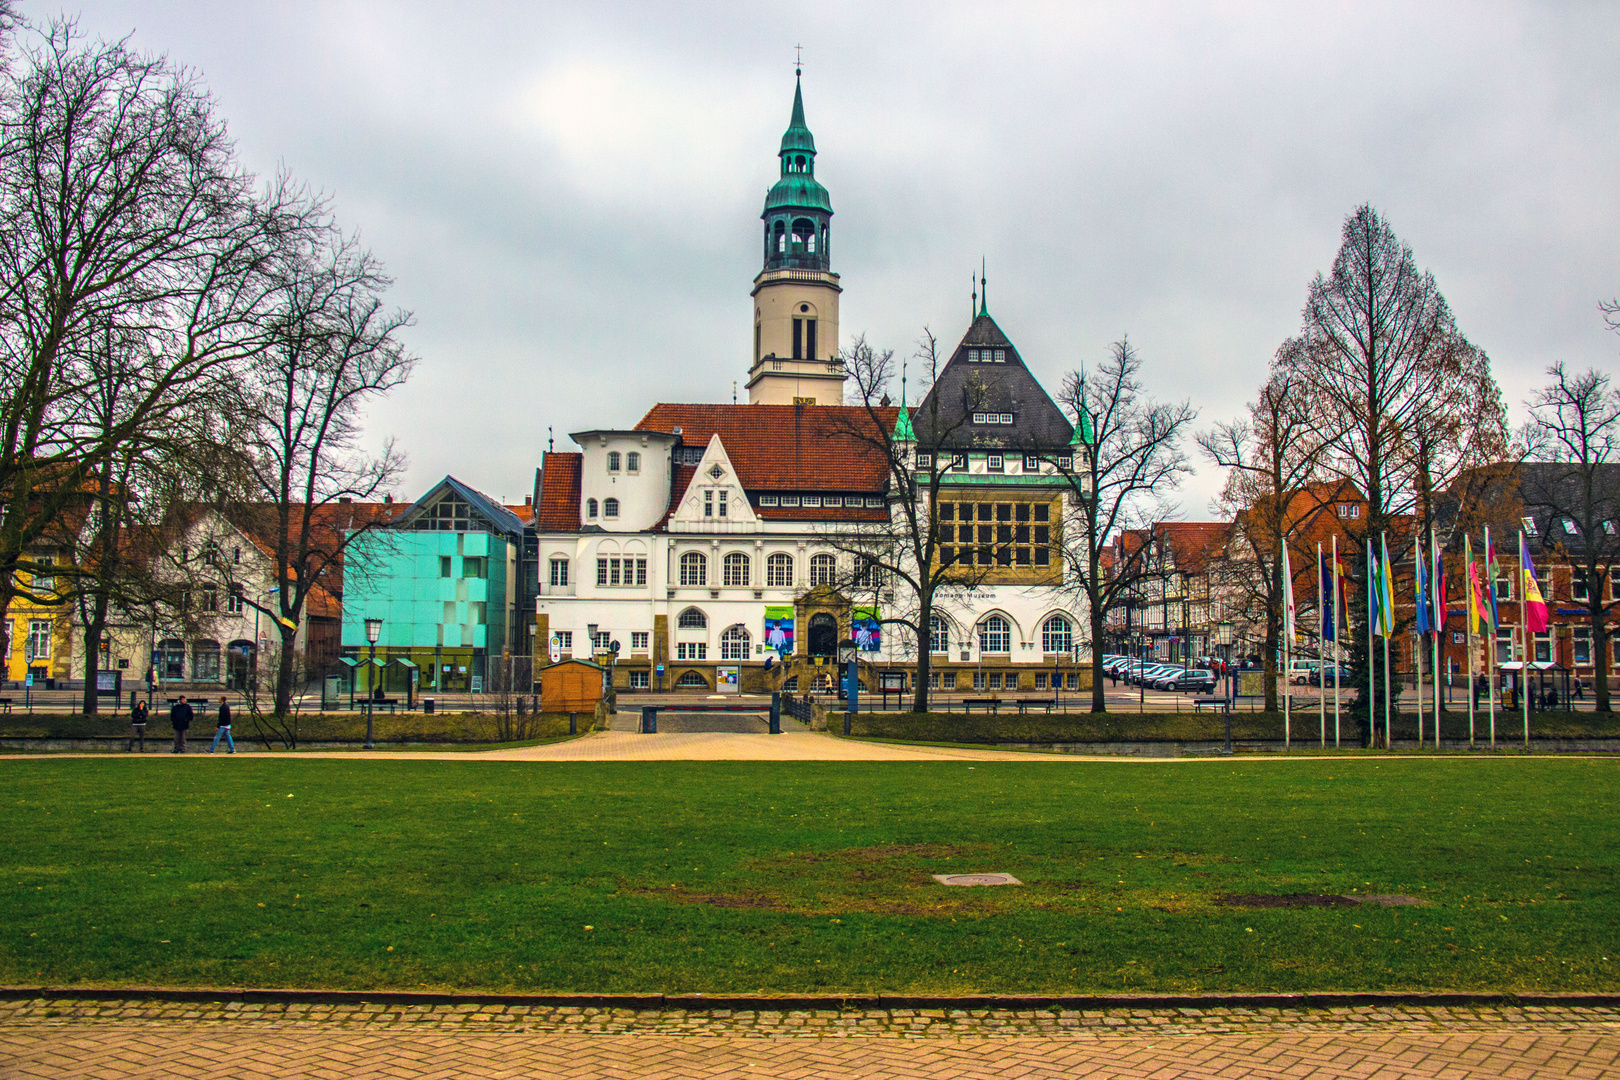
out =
column 124, row 217
column 1575, row 425
column 1271, row 459
column 1385, row 371
column 904, row 547
column 333, row 348
column 1126, row 464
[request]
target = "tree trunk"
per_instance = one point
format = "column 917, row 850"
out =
column 1098, row 702
column 1600, row 664
column 925, row 646
column 94, row 628
column 284, row 670
column 1273, row 635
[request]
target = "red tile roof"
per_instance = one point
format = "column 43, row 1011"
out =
column 559, row 492
column 787, row 447
column 1194, row 544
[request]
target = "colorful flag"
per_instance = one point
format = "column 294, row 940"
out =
column 1386, row 585
column 1288, row 596
column 1476, row 602
column 1535, row 608
column 1437, row 581
column 1375, row 592
column 1341, row 575
column 1424, row 617
column 1490, row 579
column 1326, row 594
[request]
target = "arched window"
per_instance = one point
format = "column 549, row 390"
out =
column 736, row 569
column 734, row 643
column 1057, row 635
column 205, row 661
column 590, row 508
column 939, row 634
column 804, row 236
column 823, row 568
column 559, row 571
column 633, row 461
column 781, row 237
column 995, row 635
column 779, row 571
column 694, row 569
column 171, row 659
column 691, row 619
column 610, row 508
column 691, row 680
column 613, row 461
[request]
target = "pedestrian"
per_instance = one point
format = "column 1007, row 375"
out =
column 1580, row 690
column 224, row 728
column 180, row 719
column 138, row 715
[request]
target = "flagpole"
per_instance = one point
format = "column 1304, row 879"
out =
column 1372, row 717
column 1437, row 594
column 1524, row 640
column 1490, row 650
column 1417, row 633
column 1386, row 594
column 1337, row 650
column 1321, row 683
column 1472, row 603
column 1288, row 634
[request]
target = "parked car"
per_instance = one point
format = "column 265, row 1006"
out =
column 1165, row 679
column 1151, row 672
column 1323, row 676
column 1196, row 680
column 1303, row 672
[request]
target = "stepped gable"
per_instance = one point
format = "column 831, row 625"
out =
column 559, row 492
column 786, row 447
column 1008, row 387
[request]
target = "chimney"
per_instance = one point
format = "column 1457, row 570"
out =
column 388, row 500
column 344, row 499
column 528, row 500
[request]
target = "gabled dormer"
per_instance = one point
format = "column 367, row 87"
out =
column 714, row 501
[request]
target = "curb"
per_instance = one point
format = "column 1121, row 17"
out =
column 833, row 1002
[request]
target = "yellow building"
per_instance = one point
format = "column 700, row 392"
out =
column 40, row 634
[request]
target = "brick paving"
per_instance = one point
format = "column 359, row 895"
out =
column 43, row 1039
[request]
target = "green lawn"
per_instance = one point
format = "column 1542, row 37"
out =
column 788, row 877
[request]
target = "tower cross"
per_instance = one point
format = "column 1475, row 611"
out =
column 798, row 58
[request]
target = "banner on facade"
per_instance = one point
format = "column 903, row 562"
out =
column 865, row 628
column 779, row 628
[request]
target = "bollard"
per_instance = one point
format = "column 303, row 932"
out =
column 776, row 712
column 573, row 723
column 649, row 719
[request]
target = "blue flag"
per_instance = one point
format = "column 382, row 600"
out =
column 1424, row 623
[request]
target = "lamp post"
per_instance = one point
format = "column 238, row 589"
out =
column 1225, row 630
column 373, row 632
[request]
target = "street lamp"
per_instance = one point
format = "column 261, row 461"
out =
column 373, row 632
column 1225, row 639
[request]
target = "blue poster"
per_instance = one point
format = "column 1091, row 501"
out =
column 779, row 629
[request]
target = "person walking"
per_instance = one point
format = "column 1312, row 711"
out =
column 180, row 719
column 224, row 728
column 139, row 713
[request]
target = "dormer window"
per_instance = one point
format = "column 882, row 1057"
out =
column 1350, row 511
column 993, row 462
column 1529, row 524
column 1032, row 463
column 1001, row 356
column 1570, row 527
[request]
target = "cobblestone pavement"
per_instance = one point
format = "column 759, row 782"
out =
column 132, row 1038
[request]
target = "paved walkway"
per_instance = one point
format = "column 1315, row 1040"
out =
column 45, row 1039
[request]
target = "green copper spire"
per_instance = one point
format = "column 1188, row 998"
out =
column 902, row 423
column 797, row 208
column 797, row 136
column 984, row 290
column 1084, row 434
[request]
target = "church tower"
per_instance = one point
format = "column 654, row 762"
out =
column 795, row 357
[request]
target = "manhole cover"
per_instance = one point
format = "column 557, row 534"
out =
column 976, row 879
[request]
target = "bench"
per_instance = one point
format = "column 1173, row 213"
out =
column 1211, row 702
column 988, row 704
column 382, row 703
column 1025, row 704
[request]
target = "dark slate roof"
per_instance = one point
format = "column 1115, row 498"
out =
column 1038, row 424
column 1552, row 491
column 491, row 511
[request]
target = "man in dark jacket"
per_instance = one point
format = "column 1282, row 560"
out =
column 180, row 719
column 224, row 728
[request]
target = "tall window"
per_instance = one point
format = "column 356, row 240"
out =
column 1583, row 645
column 559, row 572
column 590, row 509
column 171, row 660
column 613, row 461
column 1057, row 635
column 694, row 569
column 44, row 581
column 779, row 571
column 939, row 634
column 823, row 568
column 995, row 636
column 633, row 460
column 734, row 643
column 233, row 601
column 736, row 568
column 692, row 619
column 1577, row 584
column 610, row 508
column 205, row 661
column 39, row 637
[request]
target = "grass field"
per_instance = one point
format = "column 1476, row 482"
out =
column 787, row 877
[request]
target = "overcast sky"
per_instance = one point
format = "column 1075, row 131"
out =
column 568, row 196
